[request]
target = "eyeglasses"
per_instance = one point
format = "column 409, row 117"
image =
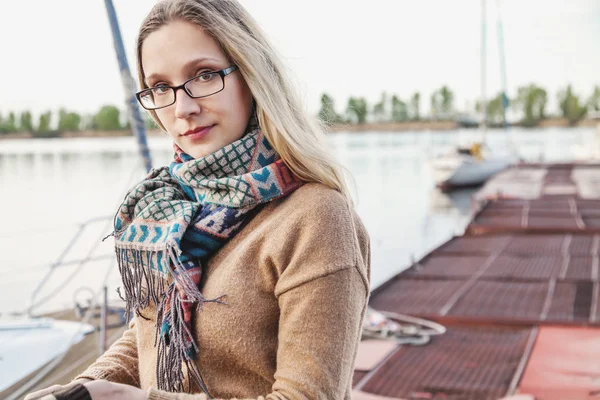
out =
column 203, row 85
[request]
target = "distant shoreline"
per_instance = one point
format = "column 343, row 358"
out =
column 443, row 125
column 367, row 127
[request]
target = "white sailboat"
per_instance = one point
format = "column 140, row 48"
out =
column 474, row 165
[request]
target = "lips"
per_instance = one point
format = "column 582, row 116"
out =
column 197, row 133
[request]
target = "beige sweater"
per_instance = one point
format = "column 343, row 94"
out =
column 296, row 280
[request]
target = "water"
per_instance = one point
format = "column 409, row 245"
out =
column 51, row 186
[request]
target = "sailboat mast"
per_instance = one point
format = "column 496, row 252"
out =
column 135, row 118
column 502, row 66
column 483, row 70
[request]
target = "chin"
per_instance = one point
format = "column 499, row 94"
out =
column 203, row 151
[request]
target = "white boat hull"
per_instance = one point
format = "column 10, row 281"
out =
column 28, row 344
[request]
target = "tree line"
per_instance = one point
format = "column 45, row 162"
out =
column 530, row 103
column 52, row 124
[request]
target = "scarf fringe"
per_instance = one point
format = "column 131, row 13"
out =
column 173, row 351
column 176, row 346
column 141, row 285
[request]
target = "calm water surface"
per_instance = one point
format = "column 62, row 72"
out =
column 50, row 187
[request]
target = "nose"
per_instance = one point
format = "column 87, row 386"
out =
column 185, row 106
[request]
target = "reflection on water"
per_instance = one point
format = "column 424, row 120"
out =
column 51, row 186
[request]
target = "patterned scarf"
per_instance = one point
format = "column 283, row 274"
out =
column 173, row 221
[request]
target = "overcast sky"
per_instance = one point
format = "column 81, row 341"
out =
column 60, row 53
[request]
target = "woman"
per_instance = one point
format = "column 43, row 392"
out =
column 244, row 264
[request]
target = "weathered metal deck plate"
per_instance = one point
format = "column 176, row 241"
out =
column 583, row 245
column 498, row 300
column 415, row 296
column 526, row 278
column 571, row 302
column 477, row 363
column 530, row 266
column 537, row 244
column 581, row 268
column 475, row 244
column 450, row 266
column 549, row 214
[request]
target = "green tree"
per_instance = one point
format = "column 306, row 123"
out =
column 68, row 121
column 570, row 107
column 415, row 105
column 43, row 129
column 356, row 111
column 26, row 123
column 593, row 102
column 44, row 124
column 327, row 112
column 399, row 109
column 107, row 119
column 10, row 123
column 531, row 100
column 380, row 109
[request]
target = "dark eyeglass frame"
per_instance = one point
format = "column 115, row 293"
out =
column 222, row 73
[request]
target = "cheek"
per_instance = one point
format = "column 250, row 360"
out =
column 235, row 101
column 242, row 101
column 235, row 111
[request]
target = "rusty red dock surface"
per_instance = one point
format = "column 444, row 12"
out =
column 525, row 273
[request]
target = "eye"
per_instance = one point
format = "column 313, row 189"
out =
column 205, row 77
column 161, row 88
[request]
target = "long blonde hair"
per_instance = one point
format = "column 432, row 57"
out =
column 298, row 138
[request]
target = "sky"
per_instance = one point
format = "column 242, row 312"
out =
column 60, row 53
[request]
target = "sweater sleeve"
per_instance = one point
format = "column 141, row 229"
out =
column 119, row 363
column 319, row 329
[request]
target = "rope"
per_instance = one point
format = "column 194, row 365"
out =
column 414, row 331
column 60, row 287
column 27, row 270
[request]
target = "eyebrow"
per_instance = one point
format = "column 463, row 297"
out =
column 186, row 66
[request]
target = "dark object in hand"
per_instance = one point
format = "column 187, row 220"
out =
column 77, row 392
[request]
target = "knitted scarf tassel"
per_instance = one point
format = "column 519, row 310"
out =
column 180, row 300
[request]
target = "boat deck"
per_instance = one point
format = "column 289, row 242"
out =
column 518, row 294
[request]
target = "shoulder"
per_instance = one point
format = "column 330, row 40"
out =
column 324, row 208
column 316, row 203
column 315, row 209
column 317, row 225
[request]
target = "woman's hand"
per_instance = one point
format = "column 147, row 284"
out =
column 54, row 388
column 105, row 390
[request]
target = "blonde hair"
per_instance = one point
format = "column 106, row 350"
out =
column 298, row 138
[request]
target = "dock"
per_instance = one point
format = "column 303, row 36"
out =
column 518, row 293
